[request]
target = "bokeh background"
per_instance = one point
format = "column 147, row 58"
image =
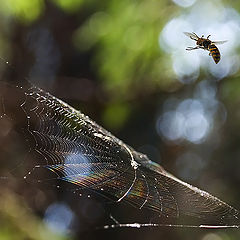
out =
column 124, row 64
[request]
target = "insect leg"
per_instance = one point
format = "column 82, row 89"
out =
column 193, row 48
column 195, row 35
column 193, row 38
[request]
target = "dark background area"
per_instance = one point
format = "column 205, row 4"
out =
column 124, row 65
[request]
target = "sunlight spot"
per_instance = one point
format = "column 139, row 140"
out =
column 190, row 121
column 170, row 125
column 58, row 218
column 172, row 35
column 184, row 3
column 187, row 64
column 195, row 124
column 196, row 127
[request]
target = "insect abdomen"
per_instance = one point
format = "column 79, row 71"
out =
column 214, row 52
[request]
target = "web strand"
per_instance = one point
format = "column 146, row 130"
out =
column 158, row 225
column 76, row 150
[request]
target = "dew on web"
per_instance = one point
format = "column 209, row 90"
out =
column 72, row 148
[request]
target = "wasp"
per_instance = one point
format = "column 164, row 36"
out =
column 206, row 44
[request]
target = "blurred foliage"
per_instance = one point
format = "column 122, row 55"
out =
column 19, row 223
column 69, row 5
column 24, row 10
column 124, row 37
column 115, row 46
column 116, row 114
column 126, row 34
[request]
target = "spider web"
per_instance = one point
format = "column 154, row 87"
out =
column 76, row 150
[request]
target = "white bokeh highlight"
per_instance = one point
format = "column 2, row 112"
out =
column 221, row 22
column 58, row 217
column 184, row 3
column 191, row 119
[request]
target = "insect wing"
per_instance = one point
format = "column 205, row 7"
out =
column 218, row 42
column 192, row 35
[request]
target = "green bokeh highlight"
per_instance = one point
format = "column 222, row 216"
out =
column 19, row 223
column 69, row 5
column 126, row 36
column 25, row 11
column 115, row 115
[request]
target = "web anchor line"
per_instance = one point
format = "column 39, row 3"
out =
column 134, row 165
column 157, row 225
column 79, row 151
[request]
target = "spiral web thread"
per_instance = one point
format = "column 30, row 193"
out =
column 77, row 150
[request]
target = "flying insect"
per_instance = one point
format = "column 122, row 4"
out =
column 206, row 44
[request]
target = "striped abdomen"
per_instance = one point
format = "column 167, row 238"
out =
column 214, row 52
